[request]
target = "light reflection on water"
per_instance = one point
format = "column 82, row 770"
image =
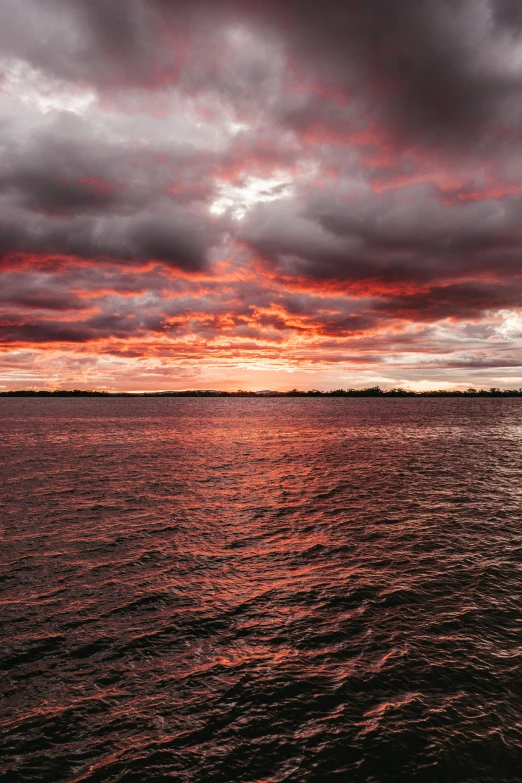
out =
column 261, row 589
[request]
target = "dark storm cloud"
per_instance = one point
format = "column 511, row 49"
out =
column 468, row 300
column 37, row 292
column 437, row 68
column 178, row 241
column 345, row 89
column 42, row 332
column 427, row 63
column 44, row 188
column 404, row 237
column 102, row 325
column 88, row 40
column 64, row 193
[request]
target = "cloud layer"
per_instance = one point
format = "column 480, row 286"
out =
column 250, row 194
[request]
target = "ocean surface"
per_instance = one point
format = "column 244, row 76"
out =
column 261, row 590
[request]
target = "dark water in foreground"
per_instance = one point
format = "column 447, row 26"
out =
column 261, row 590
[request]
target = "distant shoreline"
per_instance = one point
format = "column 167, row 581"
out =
column 373, row 391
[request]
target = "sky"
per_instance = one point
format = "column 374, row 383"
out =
column 256, row 194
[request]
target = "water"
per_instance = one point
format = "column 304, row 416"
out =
column 261, row 590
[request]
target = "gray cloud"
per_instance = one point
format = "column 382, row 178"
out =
column 394, row 123
column 396, row 237
column 64, row 192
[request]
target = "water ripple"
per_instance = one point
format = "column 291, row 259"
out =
column 261, row 590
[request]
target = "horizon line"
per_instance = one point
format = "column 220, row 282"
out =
column 371, row 391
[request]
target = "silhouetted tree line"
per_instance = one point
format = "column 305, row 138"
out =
column 373, row 391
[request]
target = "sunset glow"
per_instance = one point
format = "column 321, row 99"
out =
column 260, row 195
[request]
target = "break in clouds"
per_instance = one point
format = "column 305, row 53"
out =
column 260, row 194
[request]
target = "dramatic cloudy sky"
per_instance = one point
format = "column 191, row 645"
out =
column 260, row 194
